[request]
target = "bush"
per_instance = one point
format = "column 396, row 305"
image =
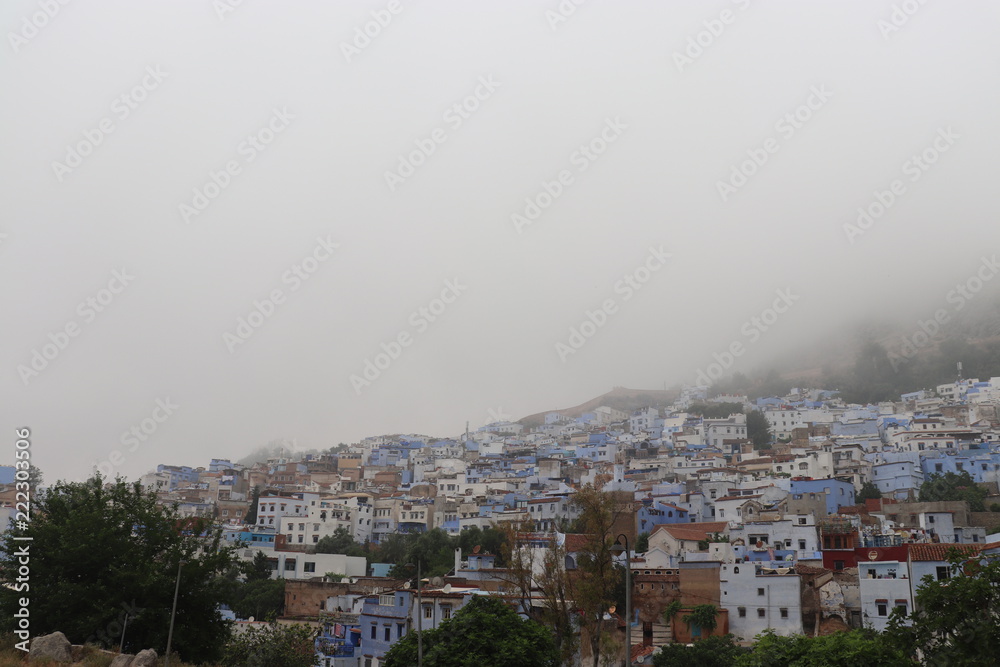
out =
column 271, row 646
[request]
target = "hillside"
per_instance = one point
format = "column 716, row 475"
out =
column 619, row 398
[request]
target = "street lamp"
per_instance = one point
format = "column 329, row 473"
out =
column 420, row 612
column 173, row 612
column 618, row 549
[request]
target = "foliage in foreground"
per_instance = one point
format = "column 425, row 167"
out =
column 486, row 631
column 272, row 646
column 855, row 648
column 102, row 551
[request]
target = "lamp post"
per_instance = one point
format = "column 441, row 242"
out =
column 173, row 612
column 618, row 549
column 420, row 612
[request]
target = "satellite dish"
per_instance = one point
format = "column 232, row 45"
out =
column 250, row 619
column 406, row 584
column 437, row 581
column 476, row 549
column 446, row 589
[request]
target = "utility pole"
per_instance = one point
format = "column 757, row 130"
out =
column 173, row 612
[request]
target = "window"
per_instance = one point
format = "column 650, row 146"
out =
column 760, row 613
column 445, row 611
column 760, row 591
column 388, row 633
column 428, row 611
column 290, row 565
column 315, row 539
column 901, row 606
column 883, row 609
column 300, row 539
column 802, row 521
column 400, row 630
column 943, row 572
column 736, row 570
column 309, row 567
column 930, row 519
column 743, row 612
column 784, row 612
column 802, row 545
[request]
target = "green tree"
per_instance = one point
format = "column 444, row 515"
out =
column 868, row 492
column 251, row 517
column 99, row 549
column 854, row 648
column 952, row 486
column 957, row 620
column 758, row 429
column 486, row 631
column 434, row 550
column 642, row 543
column 341, row 542
column 709, row 652
column 702, row 616
column 272, row 646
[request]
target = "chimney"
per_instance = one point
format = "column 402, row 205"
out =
column 458, row 560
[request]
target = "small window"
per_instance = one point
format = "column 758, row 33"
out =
column 784, row 612
column 428, row 611
column 743, row 612
column 309, row 567
column 883, row 609
column 388, row 633
column 760, row 613
column 374, row 631
column 445, row 611
column 943, row 572
column 760, row 591
column 736, row 570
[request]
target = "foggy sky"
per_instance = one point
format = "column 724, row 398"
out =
column 546, row 88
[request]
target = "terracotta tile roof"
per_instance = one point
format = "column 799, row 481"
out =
column 575, row 542
column 939, row 552
column 693, row 531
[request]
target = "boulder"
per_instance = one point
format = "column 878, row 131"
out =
column 122, row 660
column 146, row 658
column 51, row 647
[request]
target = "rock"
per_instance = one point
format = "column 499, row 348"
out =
column 146, row 658
column 51, row 647
column 122, row 660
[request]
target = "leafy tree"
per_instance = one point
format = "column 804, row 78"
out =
column 341, row 542
column 642, row 543
column 957, row 620
column 486, row 631
column 709, row 652
column 490, row 540
column 97, row 549
column 869, row 491
column 854, row 648
column 703, row 616
column 595, row 589
column 671, row 611
column 434, row 550
column 251, row 517
column 758, row 429
column 952, row 486
column 272, row 646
